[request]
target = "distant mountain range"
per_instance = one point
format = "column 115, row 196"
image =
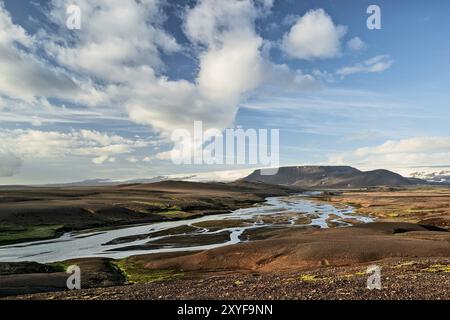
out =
column 441, row 176
column 299, row 176
column 105, row 182
column 331, row 177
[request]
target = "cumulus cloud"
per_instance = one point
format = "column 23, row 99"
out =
column 396, row 153
column 100, row 159
column 230, row 65
column 132, row 159
column 31, row 144
column 355, row 44
column 374, row 65
column 314, row 36
column 26, row 76
column 115, row 34
column 115, row 61
column 122, row 45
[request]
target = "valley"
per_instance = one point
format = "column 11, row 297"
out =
column 176, row 239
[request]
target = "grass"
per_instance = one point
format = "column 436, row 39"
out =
column 159, row 205
column 313, row 277
column 175, row 214
column 393, row 215
column 136, row 273
column 437, row 268
column 238, row 283
column 28, row 233
column 60, row 266
column 309, row 277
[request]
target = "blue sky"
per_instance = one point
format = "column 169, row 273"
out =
column 102, row 101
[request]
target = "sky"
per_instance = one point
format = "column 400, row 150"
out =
column 101, row 101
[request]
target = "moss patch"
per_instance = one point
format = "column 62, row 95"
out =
column 60, row 266
column 437, row 268
column 309, row 277
column 134, row 272
column 28, row 233
column 176, row 214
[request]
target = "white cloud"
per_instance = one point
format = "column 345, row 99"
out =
column 231, row 64
column 374, row 65
column 132, row 159
column 324, row 75
column 281, row 76
column 419, row 151
column 114, row 34
column 114, row 65
column 355, row 44
column 26, row 76
column 30, row 144
column 9, row 163
column 100, row 159
column 314, row 36
column 121, row 44
column 114, row 61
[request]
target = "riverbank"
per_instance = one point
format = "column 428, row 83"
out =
column 424, row 205
column 28, row 213
column 412, row 257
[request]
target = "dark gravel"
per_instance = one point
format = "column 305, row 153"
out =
column 401, row 279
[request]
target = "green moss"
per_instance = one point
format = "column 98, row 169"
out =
column 437, row 268
column 309, row 277
column 136, row 273
column 346, row 276
column 60, row 266
column 159, row 205
column 419, row 210
column 175, row 214
column 393, row 215
column 28, row 233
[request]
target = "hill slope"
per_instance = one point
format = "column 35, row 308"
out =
column 330, row 177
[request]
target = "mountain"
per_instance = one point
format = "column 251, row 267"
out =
column 442, row 176
column 331, row 177
column 105, row 182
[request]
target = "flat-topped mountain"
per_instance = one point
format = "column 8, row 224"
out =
column 330, row 177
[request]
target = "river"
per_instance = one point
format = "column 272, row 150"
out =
column 97, row 243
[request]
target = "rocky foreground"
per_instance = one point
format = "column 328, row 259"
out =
column 400, row 279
